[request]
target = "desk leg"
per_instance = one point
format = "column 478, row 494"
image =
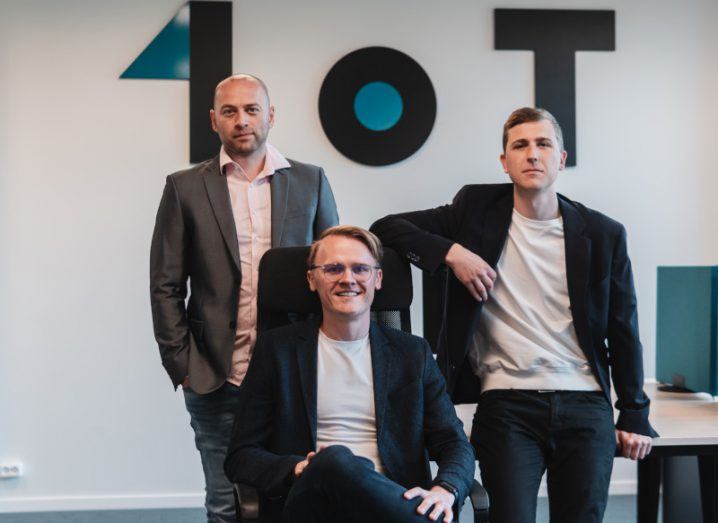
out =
column 649, row 482
column 708, row 473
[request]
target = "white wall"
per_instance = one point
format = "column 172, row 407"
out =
column 84, row 401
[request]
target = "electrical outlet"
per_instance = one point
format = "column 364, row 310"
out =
column 10, row 470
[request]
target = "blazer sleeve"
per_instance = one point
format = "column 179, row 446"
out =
column 624, row 345
column 444, row 434
column 247, row 460
column 327, row 215
column 168, row 284
column 423, row 237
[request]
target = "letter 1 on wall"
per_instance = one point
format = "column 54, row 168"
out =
column 196, row 45
column 555, row 35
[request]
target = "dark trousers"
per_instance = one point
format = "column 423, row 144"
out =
column 519, row 435
column 339, row 486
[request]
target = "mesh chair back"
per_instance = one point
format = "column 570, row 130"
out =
column 283, row 295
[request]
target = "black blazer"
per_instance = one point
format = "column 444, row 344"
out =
column 600, row 288
column 195, row 238
column 277, row 424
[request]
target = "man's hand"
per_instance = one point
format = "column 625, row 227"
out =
column 633, row 446
column 438, row 497
column 299, row 467
column 471, row 270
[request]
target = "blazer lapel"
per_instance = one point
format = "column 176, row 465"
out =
column 578, row 259
column 381, row 362
column 279, row 187
column 306, row 351
column 218, row 193
column 495, row 229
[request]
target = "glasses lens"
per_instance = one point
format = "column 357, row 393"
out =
column 333, row 271
column 361, row 271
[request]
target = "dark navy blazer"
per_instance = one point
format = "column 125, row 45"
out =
column 600, row 288
column 415, row 420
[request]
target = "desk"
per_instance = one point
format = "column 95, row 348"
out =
column 688, row 425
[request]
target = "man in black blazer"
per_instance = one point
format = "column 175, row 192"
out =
column 339, row 419
column 214, row 222
column 540, row 316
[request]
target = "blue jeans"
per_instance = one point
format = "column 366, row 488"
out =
column 212, row 418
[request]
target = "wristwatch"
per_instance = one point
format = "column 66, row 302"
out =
column 448, row 487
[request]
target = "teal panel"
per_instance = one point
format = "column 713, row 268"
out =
column 167, row 56
column 686, row 345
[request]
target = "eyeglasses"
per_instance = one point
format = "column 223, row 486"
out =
column 334, row 271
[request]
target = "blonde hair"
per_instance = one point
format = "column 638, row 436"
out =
column 350, row 231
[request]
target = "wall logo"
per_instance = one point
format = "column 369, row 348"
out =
column 377, row 105
column 554, row 35
column 196, row 45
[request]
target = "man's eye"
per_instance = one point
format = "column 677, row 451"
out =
column 227, row 112
column 334, row 269
column 361, row 269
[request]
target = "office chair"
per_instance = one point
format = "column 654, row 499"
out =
column 284, row 297
column 434, row 296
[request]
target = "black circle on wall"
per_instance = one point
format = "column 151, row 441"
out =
column 337, row 110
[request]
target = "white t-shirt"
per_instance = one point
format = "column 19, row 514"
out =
column 345, row 397
column 526, row 338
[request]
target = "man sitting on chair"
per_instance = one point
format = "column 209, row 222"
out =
column 338, row 420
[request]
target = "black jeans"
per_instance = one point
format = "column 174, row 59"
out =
column 518, row 435
column 339, row 486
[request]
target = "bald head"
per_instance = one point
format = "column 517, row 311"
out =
column 240, row 78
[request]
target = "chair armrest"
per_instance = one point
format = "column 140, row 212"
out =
column 480, row 502
column 246, row 502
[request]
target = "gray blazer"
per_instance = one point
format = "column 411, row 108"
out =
column 195, row 238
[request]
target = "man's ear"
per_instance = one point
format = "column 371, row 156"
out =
column 310, row 279
column 271, row 116
column 562, row 165
column 379, row 278
column 502, row 159
column 211, row 119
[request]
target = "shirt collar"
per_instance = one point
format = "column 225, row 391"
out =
column 273, row 161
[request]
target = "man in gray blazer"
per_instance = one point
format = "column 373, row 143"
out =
column 214, row 223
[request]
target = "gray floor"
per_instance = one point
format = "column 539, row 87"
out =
column 621, row 509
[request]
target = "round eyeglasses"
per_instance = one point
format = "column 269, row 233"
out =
column 334, row 271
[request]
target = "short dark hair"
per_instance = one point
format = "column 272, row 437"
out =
column 350, row 231
column 531, row 114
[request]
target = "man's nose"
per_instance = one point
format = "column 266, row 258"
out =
column 241, row 120
column 347, row 276
column 532, row 153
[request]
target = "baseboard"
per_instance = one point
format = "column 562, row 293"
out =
column 626, row 487
column 108, row 502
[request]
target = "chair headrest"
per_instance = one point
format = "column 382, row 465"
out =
column 283, row 282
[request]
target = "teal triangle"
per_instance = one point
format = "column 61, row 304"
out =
column 167, row 56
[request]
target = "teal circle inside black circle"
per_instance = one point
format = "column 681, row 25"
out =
column 378, row 106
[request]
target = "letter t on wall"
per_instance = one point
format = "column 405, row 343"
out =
column 555, row 35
